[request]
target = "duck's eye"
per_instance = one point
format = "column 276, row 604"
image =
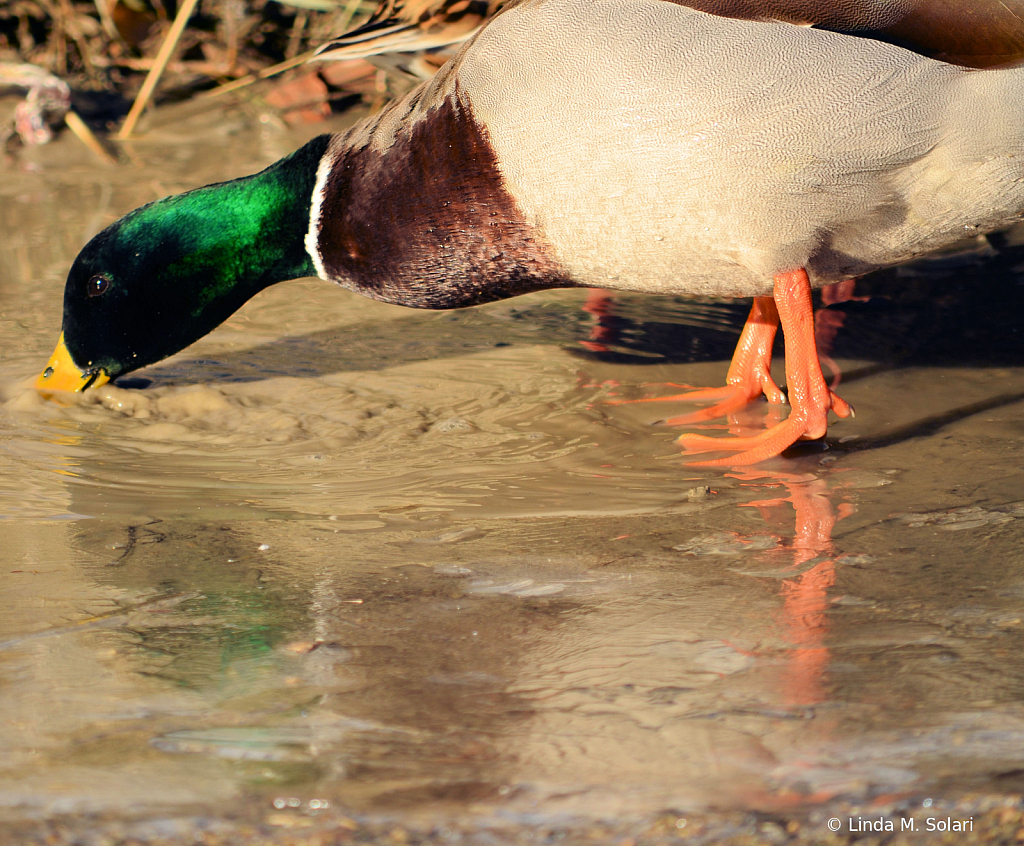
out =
column 96, row 286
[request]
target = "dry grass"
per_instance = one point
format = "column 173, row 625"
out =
column 112, row 44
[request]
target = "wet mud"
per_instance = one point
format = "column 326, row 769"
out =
column 345, row 571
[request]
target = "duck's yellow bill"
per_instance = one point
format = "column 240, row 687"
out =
column 62, row 374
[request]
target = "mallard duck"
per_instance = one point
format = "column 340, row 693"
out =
column 628, row 144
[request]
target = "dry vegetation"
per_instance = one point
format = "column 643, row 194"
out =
column 104, row 48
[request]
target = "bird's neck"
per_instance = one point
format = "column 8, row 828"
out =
column 267, row 216
column 239, row 237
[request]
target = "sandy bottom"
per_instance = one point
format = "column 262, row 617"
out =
column 345, row 570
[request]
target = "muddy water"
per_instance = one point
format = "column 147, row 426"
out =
column 342, row 562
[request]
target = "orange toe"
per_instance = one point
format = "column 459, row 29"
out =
column 733, row 398
column 690, row 394
column 749, row 374
column 768, row 444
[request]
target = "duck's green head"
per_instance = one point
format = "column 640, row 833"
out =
column 168, row 273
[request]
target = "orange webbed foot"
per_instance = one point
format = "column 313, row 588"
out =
column 767, row 444
column 749, row 373
column 809, row 396
column 731, row 398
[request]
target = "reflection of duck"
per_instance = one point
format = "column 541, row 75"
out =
column 819, row 157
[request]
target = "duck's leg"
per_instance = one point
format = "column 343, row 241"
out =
column 809, row 396
column 749, row 373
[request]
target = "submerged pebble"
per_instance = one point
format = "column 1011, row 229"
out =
column 727, row 543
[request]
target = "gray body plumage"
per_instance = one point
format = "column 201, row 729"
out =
column 657, row 148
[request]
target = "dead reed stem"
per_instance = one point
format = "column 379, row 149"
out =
column 273, row 70
column 86, row 136
column 166, row 49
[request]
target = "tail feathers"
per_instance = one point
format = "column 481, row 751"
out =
column 369, row 40
column 391, row 36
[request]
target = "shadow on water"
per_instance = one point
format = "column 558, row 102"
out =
column 925, row 315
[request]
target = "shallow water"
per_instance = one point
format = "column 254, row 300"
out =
column 342, row 560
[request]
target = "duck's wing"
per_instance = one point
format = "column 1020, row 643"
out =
column 407, row 27
column 972, row 33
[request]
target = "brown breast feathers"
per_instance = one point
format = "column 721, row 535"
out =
column 428, row 222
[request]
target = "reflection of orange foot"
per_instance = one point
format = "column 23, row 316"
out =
column 826, row 327
column 828, row 323
column 749, row 374
column 809, row 396
column 599, row 305
column 841, row 292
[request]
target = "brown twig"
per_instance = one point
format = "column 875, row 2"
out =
column 230, row 14
column 266, row 73
column 85, row 135
column 350, row 9
column 295, row 39
column 75, row 31
column 214, row 69
column 103, row 10
column 170, row 42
